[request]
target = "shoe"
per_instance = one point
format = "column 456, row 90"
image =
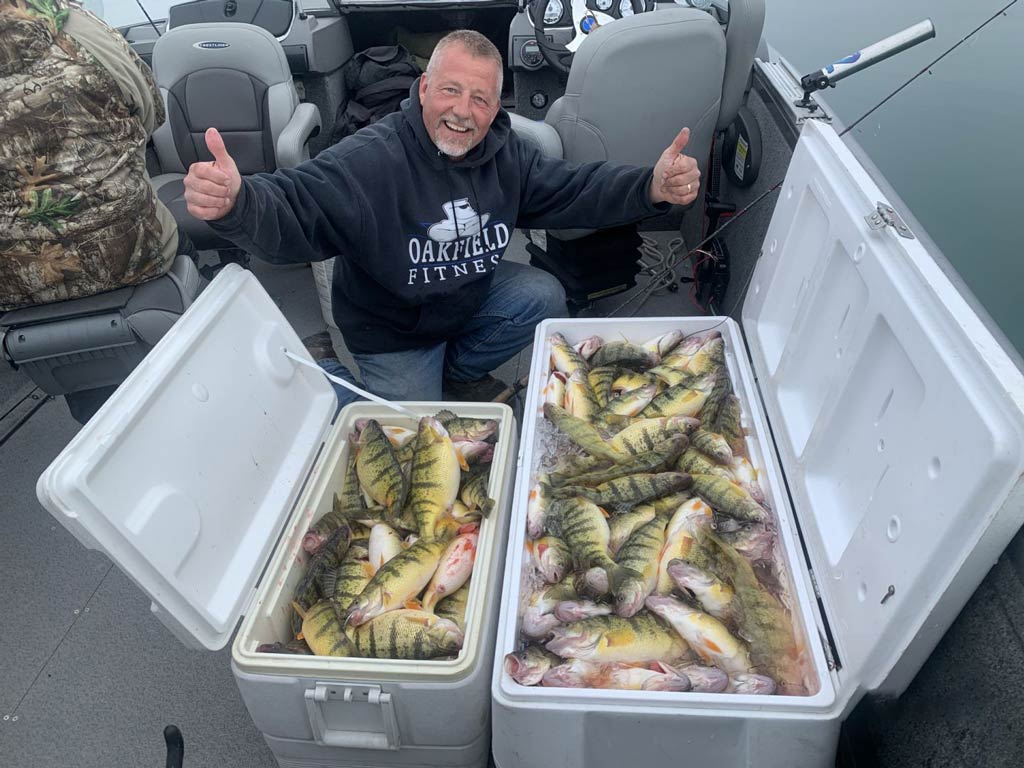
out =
column 485, row 390
column 513, row 390
column 520, row 385
column 224, row 257
column 320, row 346
column 489, row 389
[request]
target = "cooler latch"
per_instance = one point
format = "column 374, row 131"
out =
column 353, row 716
column 884, row 216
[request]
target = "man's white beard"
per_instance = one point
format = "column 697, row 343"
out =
column 450, row 145
column 451, row 148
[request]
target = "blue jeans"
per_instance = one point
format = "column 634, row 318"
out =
column 520, row 297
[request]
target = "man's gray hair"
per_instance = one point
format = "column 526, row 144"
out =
column 475, row 44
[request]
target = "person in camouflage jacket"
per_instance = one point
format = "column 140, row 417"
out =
column 77, row 213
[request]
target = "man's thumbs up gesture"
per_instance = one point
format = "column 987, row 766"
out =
column 212, row 188
column 676, row 177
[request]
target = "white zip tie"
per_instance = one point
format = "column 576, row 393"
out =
column 350, row 386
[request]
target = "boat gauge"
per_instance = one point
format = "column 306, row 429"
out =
column 626, row 8
column 530, row 54
column 553, row 11
column 604, row 5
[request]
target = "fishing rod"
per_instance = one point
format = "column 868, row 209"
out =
column 148, row 17
column 826, row 77
column 927, row 68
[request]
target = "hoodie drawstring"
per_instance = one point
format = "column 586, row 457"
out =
column 476, row 204
column 451, row 195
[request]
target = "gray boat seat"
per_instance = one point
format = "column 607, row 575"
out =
column 94, row 342
column 235, row 78
column 742, row 36
column 635, row 83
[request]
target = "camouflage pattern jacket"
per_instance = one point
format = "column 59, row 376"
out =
column 77, row 213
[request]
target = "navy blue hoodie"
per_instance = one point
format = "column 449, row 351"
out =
column 418, row 235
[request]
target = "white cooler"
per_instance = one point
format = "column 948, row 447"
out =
column 888, row 428
column 199, row 478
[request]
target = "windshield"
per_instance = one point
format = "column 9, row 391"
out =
column 126, row 13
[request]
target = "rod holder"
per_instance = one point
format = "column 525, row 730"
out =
column 862, row 59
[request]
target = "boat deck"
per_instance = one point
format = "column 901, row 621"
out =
column 90, row 677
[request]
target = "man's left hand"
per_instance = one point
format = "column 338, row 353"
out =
column 676, row 178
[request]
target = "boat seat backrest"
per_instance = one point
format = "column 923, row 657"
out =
column 635, row 83
column 230, row 76
column 742, row 36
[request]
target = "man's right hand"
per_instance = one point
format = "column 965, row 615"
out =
column 212, row 188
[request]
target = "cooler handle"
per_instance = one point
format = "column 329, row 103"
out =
column 323, row 693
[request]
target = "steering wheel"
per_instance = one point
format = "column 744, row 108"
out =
column 585, row 18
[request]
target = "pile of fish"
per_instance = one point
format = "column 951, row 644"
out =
column 650, row 544
column 389, row 566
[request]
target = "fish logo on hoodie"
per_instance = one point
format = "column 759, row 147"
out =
column 458, row 245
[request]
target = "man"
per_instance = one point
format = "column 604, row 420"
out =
column 419, row 208
column 77, row 213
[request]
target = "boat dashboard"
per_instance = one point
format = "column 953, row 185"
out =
column 320, row 36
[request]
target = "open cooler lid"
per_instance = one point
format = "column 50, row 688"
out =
column 897, row 416
column 186, row 476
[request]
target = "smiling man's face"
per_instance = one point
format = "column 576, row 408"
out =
column 460, row 99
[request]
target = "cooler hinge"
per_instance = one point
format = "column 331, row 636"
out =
column 282, row 531
column 884, row 216
column 251, row 602
column 828, row 644
column 824, row 630
column 814, row 583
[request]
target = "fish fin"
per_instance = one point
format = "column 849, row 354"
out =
column 462, row 461
column 299, row 610
column 616, row 637
column 613, row 421
column 444, row 416
column 300, row 636
column 329, row 580
column 368, row 569
column 413, row 604
column 446, row 527
column 486, row 507
column 604, row 512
